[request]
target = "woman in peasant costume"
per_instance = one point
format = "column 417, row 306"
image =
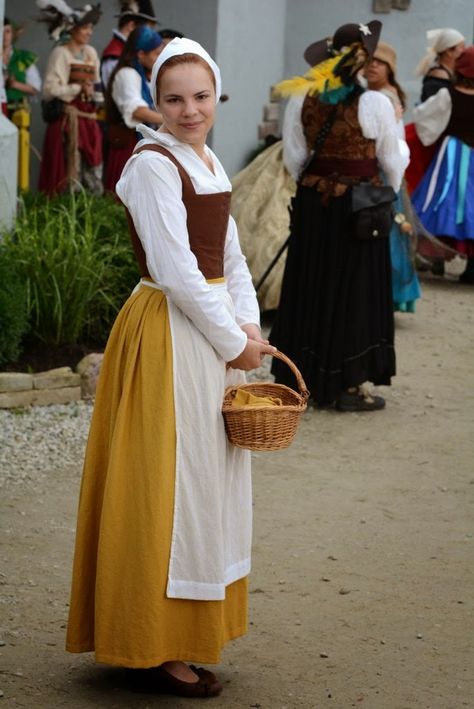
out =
column 335, row 317
column 164, row 525
column 381, row 76
column 72, row 146
column 443, row 199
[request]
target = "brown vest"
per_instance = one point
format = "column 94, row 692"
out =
column 345, row 157
column 207, row 221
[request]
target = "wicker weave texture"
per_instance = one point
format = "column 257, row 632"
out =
column 266, row 428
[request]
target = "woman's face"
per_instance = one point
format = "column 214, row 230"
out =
column 82, row 33
column 187, row 102
column 147, row 59
column 7, row 36
column 376, row 74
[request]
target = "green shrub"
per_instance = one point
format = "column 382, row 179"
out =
column 13, row 310
column 74, row 255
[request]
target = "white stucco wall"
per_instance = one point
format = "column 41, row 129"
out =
column 250, row 54
column 310, row 20
column 257, row 43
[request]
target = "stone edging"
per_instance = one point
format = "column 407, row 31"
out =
column 55, row 386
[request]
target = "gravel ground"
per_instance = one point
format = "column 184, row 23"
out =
column 361, row 589
column 42, row 438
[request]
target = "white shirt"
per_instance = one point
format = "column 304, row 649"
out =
column 151, row 189
column 431, row 117
column 377, row 121
column 127, row 94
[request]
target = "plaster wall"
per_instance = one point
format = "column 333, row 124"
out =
column 310, row 20
column 250, row 53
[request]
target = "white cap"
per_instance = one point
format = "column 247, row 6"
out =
column 184, row 46
column 442, row 39
column 438, row 41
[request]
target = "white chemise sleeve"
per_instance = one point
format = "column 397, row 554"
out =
column 127, row 94
column 239, row 280
column 295, row 151
column 432, row 116
column 378, row 122
column 151, row 189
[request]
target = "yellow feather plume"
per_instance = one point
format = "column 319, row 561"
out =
column 318, row 79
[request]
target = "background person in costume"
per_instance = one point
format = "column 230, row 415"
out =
column 22, row 78
column 164, row 527
column 129, row 101
column 443, row 199
column 72, row 147
column 437, row 66
column 133, row 14
column 335, row 318
column 381, row 76
column 437, row 70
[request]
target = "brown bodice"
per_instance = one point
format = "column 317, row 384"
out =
column 345, row 157
column 461, row 124
column 207, row 221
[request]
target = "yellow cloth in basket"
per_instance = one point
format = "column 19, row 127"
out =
column 243, row 397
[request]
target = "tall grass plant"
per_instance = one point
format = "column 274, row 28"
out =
column 74, row 256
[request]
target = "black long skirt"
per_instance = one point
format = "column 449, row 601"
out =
column 335, row 318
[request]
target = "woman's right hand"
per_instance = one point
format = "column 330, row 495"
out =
column 251, row 357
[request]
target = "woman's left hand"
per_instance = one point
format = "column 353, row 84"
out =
column 253, row 332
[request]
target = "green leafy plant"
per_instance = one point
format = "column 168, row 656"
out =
column 13, row 310
column 74, row 255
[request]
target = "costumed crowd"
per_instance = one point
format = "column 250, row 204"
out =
column 165, row 515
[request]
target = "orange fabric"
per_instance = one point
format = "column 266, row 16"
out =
column 119, row 607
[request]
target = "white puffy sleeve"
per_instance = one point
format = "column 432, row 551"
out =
column 295, row 151
column 56, row 80
column 127, row 94
column 378, row 122
column 151, row 189
column 239, row 280
column 432, row 116
column 33, row 77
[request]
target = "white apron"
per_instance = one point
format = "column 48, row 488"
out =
column 212, row 524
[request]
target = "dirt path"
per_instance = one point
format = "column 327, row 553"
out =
column 362, row 587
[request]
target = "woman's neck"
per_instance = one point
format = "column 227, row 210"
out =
column 76, row 48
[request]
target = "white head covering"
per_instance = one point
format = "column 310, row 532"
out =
column 184, row 46
column 438, row 41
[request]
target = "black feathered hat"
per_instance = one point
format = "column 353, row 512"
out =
column 367, row 35
column 142, row 9
column 61, row 18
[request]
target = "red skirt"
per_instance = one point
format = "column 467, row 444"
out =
column 53, row 171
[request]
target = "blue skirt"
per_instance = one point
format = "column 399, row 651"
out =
column 442, row 197
column 405, row 285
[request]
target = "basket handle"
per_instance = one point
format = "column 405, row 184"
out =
column 301, row 385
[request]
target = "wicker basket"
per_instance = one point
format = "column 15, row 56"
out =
column 266, row 428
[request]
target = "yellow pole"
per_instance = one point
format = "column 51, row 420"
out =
column 21, row 118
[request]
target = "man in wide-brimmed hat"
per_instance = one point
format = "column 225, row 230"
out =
column 133, row 13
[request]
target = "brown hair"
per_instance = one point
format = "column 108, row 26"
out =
column 178, row 59
column 401, row 94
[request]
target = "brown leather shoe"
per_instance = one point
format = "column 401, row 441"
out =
column 157, row 680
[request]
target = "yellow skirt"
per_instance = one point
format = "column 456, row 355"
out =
column 119, row 607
